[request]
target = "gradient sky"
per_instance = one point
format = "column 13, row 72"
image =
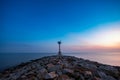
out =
column 82, row 25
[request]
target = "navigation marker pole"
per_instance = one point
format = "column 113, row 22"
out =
column 59, row 52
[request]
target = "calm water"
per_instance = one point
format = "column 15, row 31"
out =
column 12, row 59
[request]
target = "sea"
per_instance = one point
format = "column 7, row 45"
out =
column 8, row 60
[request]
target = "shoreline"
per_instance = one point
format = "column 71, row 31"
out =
column 54, row 68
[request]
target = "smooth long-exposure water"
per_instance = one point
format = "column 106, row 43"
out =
column 11, row 59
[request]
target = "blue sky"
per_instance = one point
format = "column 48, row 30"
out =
column 36, row 25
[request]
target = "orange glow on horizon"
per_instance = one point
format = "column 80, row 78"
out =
column 104, row 38
column 110, row 38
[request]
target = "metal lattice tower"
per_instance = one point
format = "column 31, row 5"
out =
column 59, row 52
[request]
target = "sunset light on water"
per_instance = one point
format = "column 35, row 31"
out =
column 33, row 27
column 60, row 40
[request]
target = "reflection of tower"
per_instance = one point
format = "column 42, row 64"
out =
column 59, row 52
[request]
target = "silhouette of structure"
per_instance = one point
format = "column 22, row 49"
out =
column 59, row 52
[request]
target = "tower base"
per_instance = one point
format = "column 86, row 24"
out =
column 59, row 55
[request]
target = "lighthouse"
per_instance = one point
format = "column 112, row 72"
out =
column 59, row 50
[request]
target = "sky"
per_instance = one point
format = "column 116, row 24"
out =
column 81, row 25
